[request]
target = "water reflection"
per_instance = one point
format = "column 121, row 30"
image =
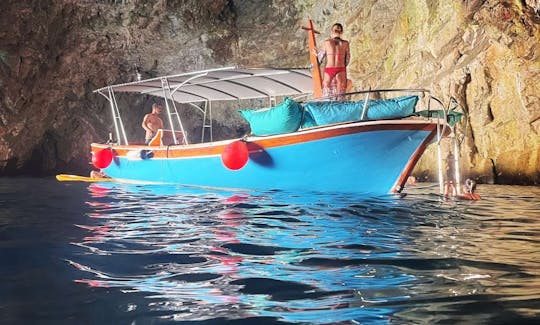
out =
column 313, row 258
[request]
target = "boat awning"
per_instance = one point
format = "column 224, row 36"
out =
column 222, row 84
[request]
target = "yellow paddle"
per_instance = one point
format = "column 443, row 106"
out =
column 77, row 178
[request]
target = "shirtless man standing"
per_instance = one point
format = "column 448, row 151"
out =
column 337, row 53
column 152, row 122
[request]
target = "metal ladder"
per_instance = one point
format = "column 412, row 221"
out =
column 172, row 111
column 453, row 151
column 207, row 120
column 118, row 124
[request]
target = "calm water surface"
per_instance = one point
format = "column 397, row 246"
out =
column 78, row 253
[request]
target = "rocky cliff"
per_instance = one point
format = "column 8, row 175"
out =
column 486, row 54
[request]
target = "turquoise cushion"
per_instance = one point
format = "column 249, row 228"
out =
column 307, row 120
column 283, row 118
column 391, row 108
column 333, row 112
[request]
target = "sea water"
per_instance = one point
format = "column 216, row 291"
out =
column 105, row 253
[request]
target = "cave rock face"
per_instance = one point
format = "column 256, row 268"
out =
column 484, row 54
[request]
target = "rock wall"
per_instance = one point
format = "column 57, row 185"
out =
column 485, row 54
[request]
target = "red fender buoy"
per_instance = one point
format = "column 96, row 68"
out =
column 102, row 159
column 235, row 155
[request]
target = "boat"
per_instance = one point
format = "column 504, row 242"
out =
column 362, row 142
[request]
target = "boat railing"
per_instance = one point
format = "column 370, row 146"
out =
column 374, row 94
column 377, row 94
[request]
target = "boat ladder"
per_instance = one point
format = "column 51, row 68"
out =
column 207, row 120
column 449, row 181
column 118, row 124
column 172, row 111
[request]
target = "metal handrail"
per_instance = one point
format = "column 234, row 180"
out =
column 364, row 109
column 411, row 90
column 445, row 115
column 440, row 134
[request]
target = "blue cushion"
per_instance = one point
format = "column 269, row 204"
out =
column 333, row 112
column 283, row 118
column 391, row 108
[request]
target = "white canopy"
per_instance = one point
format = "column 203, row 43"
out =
column 221, row 84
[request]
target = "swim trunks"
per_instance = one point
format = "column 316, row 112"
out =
column 332, row 72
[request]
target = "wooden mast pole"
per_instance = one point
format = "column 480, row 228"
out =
column 315, row 68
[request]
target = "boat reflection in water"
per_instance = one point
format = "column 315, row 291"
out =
column 191, row 254
column 202, row 255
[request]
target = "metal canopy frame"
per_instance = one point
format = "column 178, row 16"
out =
column 201, row 88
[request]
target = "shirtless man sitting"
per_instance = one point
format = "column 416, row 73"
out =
column 152, row 122
column 337, row 53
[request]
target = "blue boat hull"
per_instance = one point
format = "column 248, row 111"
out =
column 376, row 160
